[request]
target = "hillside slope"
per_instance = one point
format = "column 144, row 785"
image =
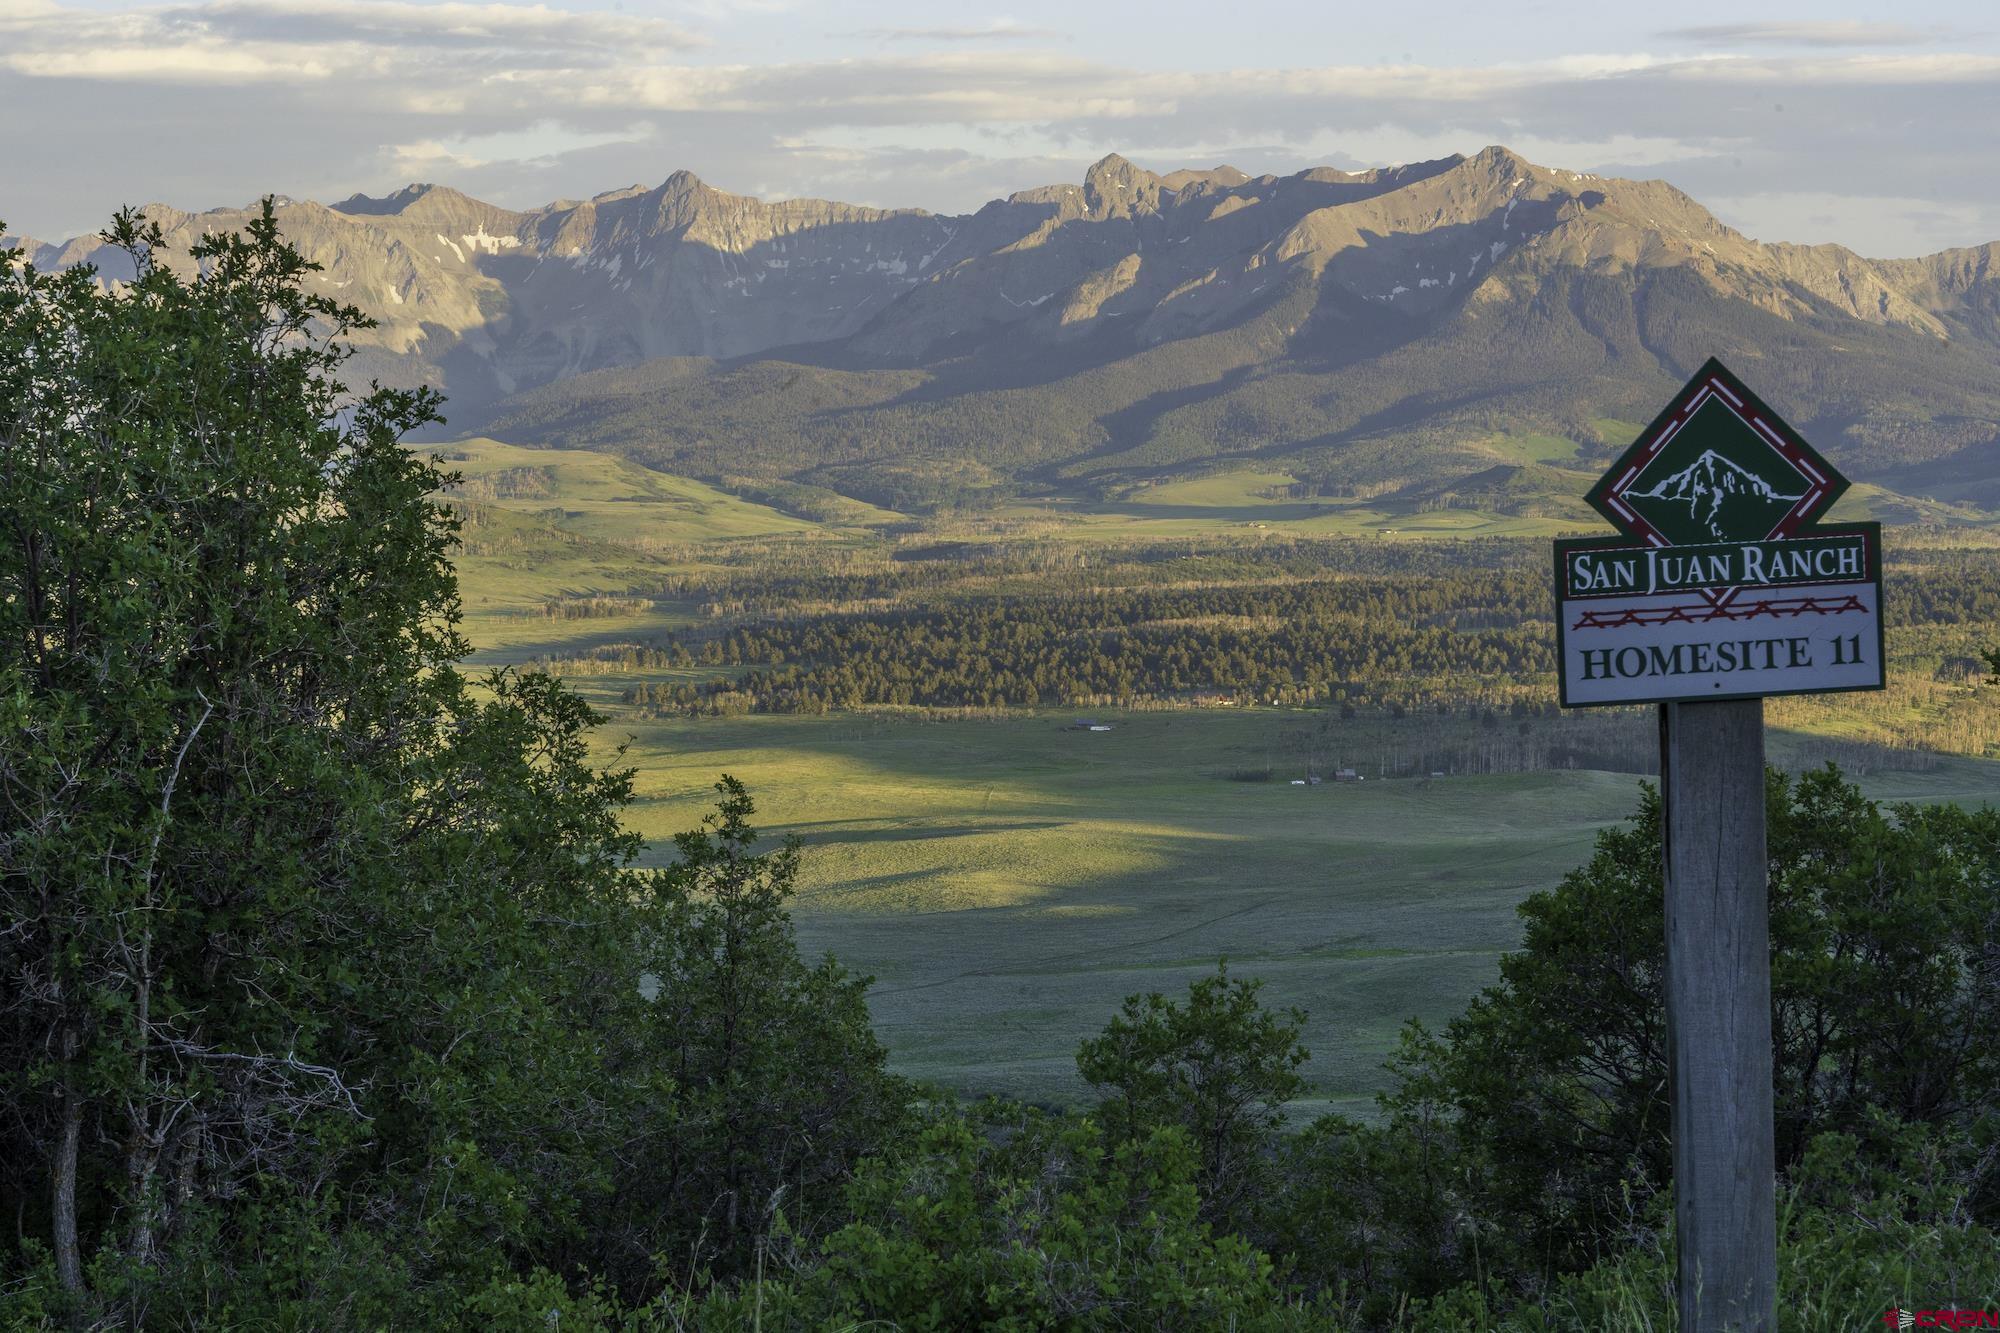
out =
column 1381, row 333
column 1368, row 334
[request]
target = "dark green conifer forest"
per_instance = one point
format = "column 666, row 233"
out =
column 333, row 995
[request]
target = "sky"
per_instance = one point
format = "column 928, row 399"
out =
column 1873, row 126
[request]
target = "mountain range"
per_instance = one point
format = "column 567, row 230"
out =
column 1474, row 330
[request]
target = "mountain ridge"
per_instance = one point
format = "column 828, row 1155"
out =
column 1366, row 329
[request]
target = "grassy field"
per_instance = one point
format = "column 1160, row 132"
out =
column 1210, row 506
column 602, row 498
column 552, row 523
column 1531, row 448
column 1009, row 880
column 1234, row 502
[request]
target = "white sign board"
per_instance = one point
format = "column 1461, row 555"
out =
column 1792, row 640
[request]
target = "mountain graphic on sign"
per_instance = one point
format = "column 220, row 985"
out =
column 1727, row 500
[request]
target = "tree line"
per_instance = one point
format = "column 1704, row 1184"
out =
column 1289, row 643
column 1375, row 639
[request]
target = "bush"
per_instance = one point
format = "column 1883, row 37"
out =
column 1532, row 1133
column 1004, row 1218
column 1861, row 1231
column 1219, row 1068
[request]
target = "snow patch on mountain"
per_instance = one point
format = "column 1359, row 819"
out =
column 478, row 240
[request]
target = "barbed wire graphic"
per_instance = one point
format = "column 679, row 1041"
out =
column 1777, row 608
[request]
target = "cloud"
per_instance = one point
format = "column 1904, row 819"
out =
column 542, row 143
column 209, row 102
column 460, row 26
column 1832, row 32
column 200, row 61
column 996, row 32
column 247, row 41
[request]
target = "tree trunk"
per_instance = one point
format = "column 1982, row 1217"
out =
column 69, row 1259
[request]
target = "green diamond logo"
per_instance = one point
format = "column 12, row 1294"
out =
column 1717, row 465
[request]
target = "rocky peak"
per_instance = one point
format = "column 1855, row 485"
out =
column 1113, row 187
column 29, row 248
column 683, row 182
column 396, row 203
column 1222, row 177
column 1500, row 161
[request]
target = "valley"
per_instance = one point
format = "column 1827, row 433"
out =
column 1007, row 877
column 1008, row 881
column 872, row 508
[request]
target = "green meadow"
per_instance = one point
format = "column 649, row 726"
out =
column 1008, row 882
column 1233, row 503
column 603, row 498
column 1008, row 879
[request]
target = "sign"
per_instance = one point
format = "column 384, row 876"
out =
column 1721, row 584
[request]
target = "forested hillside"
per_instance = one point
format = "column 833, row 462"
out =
column 1383, row 333
column 1371, row 337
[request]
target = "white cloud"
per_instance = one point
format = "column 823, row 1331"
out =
column 992, row 32
column 543, row 142
column 200, row 62
column 1824, row 71
column 522, row 102
column 276, row 41
column 1838, row 32
column 452, row 23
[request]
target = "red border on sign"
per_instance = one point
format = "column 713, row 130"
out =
column 1712, row 388
column 1823, row 484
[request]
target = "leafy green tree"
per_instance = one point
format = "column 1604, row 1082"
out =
column 779, row 1083
column 1220, row 1068
column 1862, row 1227
column 222, row 618
column 1001, row 1217
column 327, row 994
column 1533, row 1130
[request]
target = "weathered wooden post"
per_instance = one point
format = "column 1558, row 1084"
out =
column 1719, row 1012
column 1721, row 589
